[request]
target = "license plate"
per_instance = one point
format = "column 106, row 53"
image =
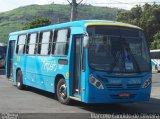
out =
column 124, row 95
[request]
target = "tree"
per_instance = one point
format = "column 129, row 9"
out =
column 37, row 22
column 156, row 42
column 146, row 17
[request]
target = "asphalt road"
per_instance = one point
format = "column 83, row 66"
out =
column 33, row 100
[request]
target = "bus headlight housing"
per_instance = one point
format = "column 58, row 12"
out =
column 147, row 83
column 95, row 82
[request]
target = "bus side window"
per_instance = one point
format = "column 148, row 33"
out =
column 44, row 43
column 31, row 44
column 61, row 44
column 20, row 49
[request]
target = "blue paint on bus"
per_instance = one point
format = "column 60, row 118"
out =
column 91, row 75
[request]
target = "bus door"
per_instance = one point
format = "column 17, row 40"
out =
column 9, row 67
column 77, row 65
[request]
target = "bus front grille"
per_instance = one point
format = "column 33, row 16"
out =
column 114, row 86
column 133, row 86
column 123, row 87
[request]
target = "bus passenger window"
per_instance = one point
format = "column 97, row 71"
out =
column 31, row 44
column 44, row 43
column 61, row 44
column 21, row 44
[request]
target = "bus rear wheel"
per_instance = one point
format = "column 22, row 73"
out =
column 61, row 92
column 19, row 80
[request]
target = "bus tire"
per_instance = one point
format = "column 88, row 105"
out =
column 19, row 80
column 61, row 92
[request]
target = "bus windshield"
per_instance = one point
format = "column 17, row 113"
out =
column 118, row 49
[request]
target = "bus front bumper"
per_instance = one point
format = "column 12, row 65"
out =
column 119, row 96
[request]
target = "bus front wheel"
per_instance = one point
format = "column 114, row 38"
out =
column 19, row 80
column 62, row 92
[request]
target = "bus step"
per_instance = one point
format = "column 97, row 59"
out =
column 74, row 98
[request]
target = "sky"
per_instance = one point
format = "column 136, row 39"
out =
column 7, row 5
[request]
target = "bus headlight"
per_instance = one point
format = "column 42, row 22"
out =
column 95, row 82
column 147, row 83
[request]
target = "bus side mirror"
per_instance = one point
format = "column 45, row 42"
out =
column 86, row 40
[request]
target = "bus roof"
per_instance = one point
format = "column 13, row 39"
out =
column 83, row 23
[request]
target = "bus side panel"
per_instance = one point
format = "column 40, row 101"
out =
column 19, row 61
column 29, row 70
column 45, row 66
column 42, row 70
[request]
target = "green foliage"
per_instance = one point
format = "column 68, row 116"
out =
column 146, row 17
column 37, row 22
column 14, row 20
column 156, row 42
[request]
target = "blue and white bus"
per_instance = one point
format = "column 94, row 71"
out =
column 155, row 59
column 93, row 61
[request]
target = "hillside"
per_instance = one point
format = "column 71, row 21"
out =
column 14, row 20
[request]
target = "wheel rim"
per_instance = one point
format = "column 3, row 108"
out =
column 62, row 91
